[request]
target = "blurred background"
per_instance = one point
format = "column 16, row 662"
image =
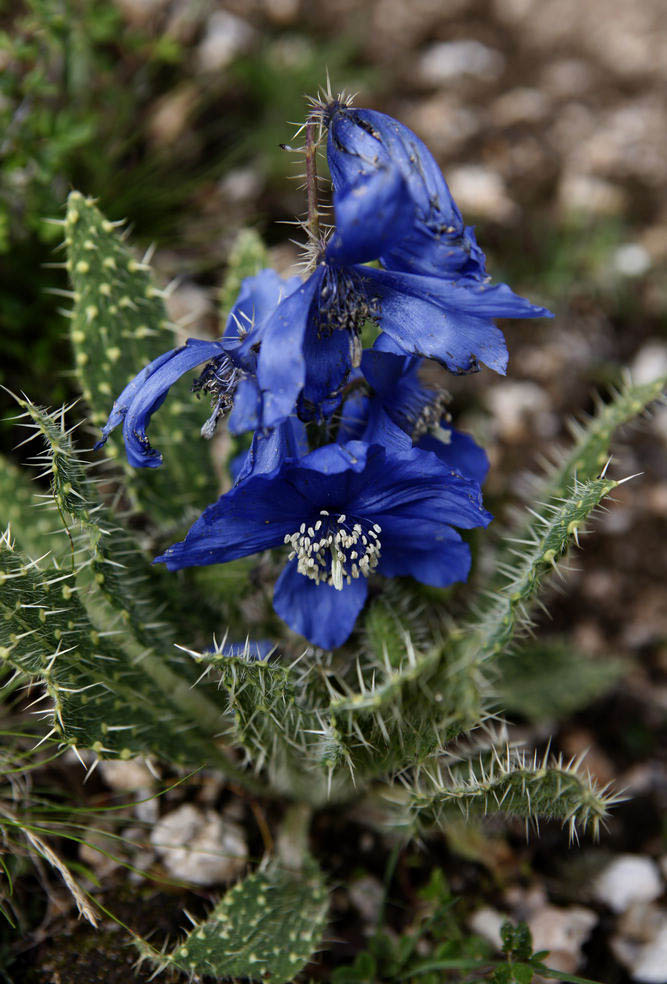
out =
column 549, row 118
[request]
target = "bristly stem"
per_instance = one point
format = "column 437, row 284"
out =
column 311, row 180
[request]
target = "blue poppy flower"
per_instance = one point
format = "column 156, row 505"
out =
column 364, row 145
column 344, row 511
column 311, row 342
column 444, row 311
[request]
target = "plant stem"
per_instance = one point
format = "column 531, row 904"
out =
column 311, row 181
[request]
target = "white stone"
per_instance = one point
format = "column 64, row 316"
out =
column 631, row 260
column 640, row 943
column 629, row 878
column 486, row 923
column 242, row 184
column 126, row 775
column 520, row 105
column 651, row 966
column 590, row 195
column 367, row 895
column 519, row 409
column 650, row 363
column 482, row 192
column 140, row 12
column 199, row 846
column 281, row 11
column 562, row 932
column 448, row 60
column 226, row 37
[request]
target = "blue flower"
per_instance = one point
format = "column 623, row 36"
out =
column 344, row 511
column 311, row 341
column 228, row 378
column 364, row 145
column 440, row 307
column 148, row 390
column 405, row 409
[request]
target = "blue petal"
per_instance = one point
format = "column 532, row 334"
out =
column 281, row 367
column 413, row 486
column 254, row 515
column 286, row 442
column 381, row 429
column 447, row 321
column 460, row 453
column 327, row 358
column 429, row 552
column 319, row 612
column 397, row 384
column 436, row 242
column 353, row 412
column 153, row 393
column 371, row 215
column 236, row 464
column 146, row 393
column 246, row 411
column 258, row 298
column 122, row 403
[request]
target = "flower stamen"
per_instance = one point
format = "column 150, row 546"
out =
column 219, row 380
column 336, row 549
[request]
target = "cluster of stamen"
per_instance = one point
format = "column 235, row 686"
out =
column 430, row 415
column 218, row 380
column 336, row 549
column 343, row 306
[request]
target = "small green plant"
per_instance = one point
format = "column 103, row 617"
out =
column 437, row 947
column 195, row 667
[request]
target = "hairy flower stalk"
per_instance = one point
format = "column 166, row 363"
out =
column 311, row 180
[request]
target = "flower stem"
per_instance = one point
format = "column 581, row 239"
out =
column 311, row 180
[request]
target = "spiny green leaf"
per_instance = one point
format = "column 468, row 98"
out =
column 590, row 449
column 118, row 325
column 267, row 927
column 517, row 584
column 102, row 698
column 143, row 688
column 513, row 784
column 104, row 550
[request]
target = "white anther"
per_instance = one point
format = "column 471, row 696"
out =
column 339, row 554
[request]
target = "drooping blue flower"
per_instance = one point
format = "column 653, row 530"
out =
column 344, row 511
column 148, row 390
column 228, row 378
column 441, row 307
column 363, row 144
